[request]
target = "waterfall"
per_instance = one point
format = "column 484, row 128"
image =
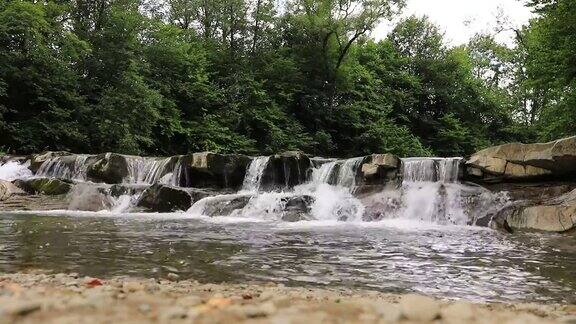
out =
column 431, row 169
column 340, row 173
column 431, row 193
column 65, row 167
column 253, row 177
column 143, row 170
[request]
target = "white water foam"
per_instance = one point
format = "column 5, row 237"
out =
column 13, row 170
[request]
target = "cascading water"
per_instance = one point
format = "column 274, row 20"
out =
column 153, row 170
column 65, row 167
column 431, row 193
column 339, row 173
column 431, row 169
column 254, row 174
column 328, row 196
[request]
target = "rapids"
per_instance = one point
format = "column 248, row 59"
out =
column 420, row 236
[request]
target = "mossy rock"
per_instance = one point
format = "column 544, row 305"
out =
column 45, row 186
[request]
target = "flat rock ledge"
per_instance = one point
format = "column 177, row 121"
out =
column 68, row 298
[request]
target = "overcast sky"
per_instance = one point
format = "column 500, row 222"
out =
column 452, row 16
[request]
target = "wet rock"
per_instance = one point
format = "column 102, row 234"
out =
column 526, row 162
column 297, row 208
column 378, row 172
column 225, row 205
column 45, row 186
column 419, row 308
column 212, row 170
column 286, row 170
column 109, row 168
column 163, row 198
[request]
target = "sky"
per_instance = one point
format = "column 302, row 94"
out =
column 461, row 19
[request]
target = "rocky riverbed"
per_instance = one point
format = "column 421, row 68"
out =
column 68, row 298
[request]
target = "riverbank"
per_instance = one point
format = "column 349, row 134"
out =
column 68, row 298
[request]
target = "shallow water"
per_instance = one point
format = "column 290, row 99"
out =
column 391, row 256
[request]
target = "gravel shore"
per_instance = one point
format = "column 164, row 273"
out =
column 68, row 298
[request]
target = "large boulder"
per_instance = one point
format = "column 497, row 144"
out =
column 7, row 190
column 109, row 168
column 524, row 162
column 162, row 198
column 212, row 170
column 551, row 218
column 377, row 172
column 286, row 170
column 556, row 214
column 45, row 186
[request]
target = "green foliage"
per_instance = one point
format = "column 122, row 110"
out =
column 240, row 76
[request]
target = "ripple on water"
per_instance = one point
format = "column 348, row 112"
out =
column 393, row 256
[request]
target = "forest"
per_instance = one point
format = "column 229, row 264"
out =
column 263, row 76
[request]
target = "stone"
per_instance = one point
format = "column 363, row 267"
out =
column 224, row 205
column 261, row 310
column 45, row 186
column 377, row 172
column 555, row 218
column 173, row 313
column 20, row 308
column 458, row 312
column 212, row 170
column 419, row 308
column 388, row 312
column 163, row 198
column 8, row 189
column 297, row 208
column 286, row 170
column 527, row 162
column 109, row 168
column 542, row 208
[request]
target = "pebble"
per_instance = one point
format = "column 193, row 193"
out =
column 132, row 286
column 172, row 276
column 457, row 312
column 172, row 313
column 419, row 308
column 144, row 308
column 189, row 301
column 388, row 312
column 262, row 310
column 21, row 308
column 570, row 319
